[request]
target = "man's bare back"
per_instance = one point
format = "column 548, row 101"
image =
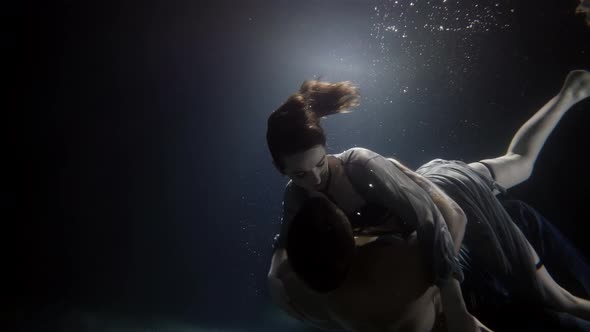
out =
column 385, row 290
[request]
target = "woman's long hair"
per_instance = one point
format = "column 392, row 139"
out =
column 295, row 126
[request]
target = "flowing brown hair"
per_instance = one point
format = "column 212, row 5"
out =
column 295, row 126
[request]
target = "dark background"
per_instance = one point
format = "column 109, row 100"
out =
column 146, row 196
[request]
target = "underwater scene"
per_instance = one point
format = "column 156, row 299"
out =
column 301, row 165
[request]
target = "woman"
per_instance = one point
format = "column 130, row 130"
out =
column 381, row 196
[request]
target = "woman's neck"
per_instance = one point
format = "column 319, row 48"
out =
column 333, row 167
column 339, row 189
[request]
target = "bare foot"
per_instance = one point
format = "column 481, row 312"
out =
column 576, row 85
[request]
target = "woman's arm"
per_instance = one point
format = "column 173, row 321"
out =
column 517, row 164
column 457, row 316
column 379, row 181
column 451, row 211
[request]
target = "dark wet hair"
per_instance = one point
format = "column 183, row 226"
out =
column 295, row 126
column 320, row 245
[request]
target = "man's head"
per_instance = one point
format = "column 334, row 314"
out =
column 320, row 244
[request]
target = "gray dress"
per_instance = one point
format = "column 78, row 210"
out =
column 499, row 286
column 497, row 252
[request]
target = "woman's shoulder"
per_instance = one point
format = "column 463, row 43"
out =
column 357, row 155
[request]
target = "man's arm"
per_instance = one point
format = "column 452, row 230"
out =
column 276, row 287
column 286, row 290
column 291, row 295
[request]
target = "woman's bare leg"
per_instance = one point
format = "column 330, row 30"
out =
column 517, row 164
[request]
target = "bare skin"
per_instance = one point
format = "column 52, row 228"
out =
column 370, row 299
column 386, row 290
column 517, row 164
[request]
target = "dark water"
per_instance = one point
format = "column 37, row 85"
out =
column 151, row 201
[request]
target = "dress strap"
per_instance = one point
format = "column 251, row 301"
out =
column 493, row 183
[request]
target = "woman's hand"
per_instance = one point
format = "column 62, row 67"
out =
column 458, row 318
column 361, row 240
column 481, row 327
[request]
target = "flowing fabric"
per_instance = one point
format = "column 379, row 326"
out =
column 498, row 286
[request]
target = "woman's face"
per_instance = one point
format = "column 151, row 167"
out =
column 308, row 169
